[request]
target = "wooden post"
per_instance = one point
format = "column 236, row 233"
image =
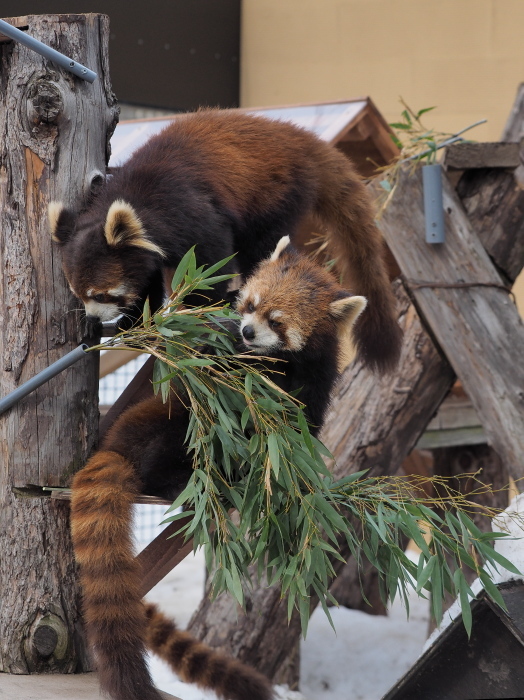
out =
column 55, row 133
column 457, row 290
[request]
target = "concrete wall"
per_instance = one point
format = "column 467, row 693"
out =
column 464, row 56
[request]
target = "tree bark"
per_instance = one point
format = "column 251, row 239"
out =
column 477, row 326
column 55, row 133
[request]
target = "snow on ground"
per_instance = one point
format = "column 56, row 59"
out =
column 361, row 661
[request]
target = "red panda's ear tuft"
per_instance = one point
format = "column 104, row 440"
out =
column 281, row 246
column 348, row 309
column 61, row 222
column 123, row 227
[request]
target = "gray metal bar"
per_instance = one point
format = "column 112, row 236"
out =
column 433, row 203
column 47, row 52
column 42, row 377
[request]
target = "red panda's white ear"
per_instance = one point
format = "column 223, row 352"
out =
column 281, row 245
column 124, row 228
column 348, row 309
column 61, row 222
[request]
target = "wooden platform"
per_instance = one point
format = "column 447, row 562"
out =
column 82, row 686
column 456, row 423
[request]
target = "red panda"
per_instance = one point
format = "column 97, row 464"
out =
column 292, row 310
column 228, row 183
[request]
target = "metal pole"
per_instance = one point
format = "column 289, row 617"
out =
column 433, row 203
column 47, row 52
column 42, row 377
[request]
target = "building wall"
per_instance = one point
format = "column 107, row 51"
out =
column 466, row 57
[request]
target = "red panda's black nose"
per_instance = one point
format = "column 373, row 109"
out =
column 248, row 332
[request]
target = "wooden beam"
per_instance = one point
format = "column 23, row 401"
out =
column 465, row 156
column 77, row 686
column 163, row 554
column 494, row 202
column 374, row 422
column 111, row 360
column 477, row 326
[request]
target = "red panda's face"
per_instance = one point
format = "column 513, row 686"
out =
column 266, row 328
column 291, row 302
column 103, row 257
column 96, row 275
column 104, row 301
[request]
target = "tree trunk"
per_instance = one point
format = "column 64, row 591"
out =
column 55, row 133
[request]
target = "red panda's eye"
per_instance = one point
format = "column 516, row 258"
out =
column 100, row 298
column 250, row 308
column 274, row 324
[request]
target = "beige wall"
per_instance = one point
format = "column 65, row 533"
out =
column 464, row 56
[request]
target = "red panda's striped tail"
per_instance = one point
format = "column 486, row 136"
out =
column 197, row 663
column 101, row 521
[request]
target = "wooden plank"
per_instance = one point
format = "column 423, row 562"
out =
column 78, row 686
column 477, row 326
column 494, row 202
column 163, row 554
column 432, row 439
column 464, row 156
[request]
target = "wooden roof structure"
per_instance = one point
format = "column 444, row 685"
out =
column 355, row 126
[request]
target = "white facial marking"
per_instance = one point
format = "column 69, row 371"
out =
column 265, row 339
column 90, row 292
column 275, row 315
column 256, row 299
column 119, row 291
column 295, row 339
column 105, row 312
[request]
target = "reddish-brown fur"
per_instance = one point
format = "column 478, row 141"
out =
column 197, row 663
column 119, row 627
column 231, row 182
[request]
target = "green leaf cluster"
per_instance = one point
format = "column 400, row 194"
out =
column 262, row 501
